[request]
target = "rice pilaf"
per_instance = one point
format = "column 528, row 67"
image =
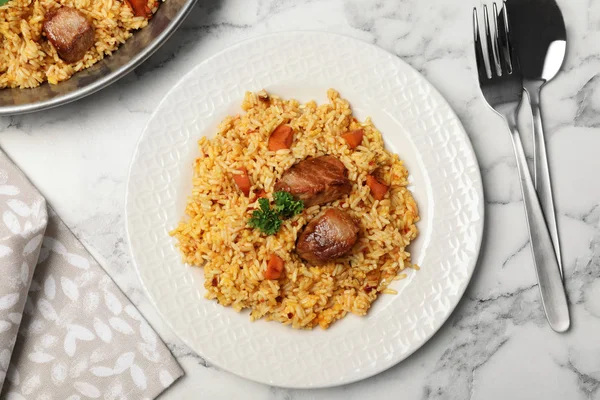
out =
column 27, row 59
column 215, row 232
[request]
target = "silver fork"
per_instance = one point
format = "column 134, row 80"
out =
column 502, row 88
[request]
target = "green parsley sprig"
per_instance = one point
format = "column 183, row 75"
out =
column 265, row 218
column 268, row 219
column 286, row 206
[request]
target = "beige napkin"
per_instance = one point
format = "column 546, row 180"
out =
column 66, row 330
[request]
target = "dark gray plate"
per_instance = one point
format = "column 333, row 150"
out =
column 169, row 16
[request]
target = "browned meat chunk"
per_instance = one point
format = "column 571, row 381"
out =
column 327, row 237
column 70, row 31
column 316, row 180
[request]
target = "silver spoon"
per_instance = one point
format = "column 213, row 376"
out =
column 540, row 34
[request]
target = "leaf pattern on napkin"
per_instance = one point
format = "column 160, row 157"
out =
column 66, row 330
column 19, row 249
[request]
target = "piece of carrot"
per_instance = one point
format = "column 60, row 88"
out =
column 281, row 138
column 378, row 189
column 274, row 267
column 353, row 138
column 242, row 180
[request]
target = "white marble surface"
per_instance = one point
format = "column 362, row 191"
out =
column 496, row 344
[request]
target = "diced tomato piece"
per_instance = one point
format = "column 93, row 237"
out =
column 274, row 267
column 242, row 180
column 140, row 8
column 281, row 138
column 378, row 189
column 354, row 138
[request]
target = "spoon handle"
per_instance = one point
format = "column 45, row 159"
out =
column 541, row 176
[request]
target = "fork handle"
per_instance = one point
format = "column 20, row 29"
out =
column 550, row 283
column 541, row 168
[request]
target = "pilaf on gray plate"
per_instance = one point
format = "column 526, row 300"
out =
column 50, row 40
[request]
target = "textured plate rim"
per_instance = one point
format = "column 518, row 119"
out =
column 471, row 264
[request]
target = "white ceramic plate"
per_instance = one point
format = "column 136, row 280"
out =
column 416, row 123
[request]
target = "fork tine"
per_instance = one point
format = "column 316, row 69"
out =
column 491, row 38
column 479, row 57
column 505, row 46
column 498, row 57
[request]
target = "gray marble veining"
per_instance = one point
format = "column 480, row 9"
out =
column 496, row 344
